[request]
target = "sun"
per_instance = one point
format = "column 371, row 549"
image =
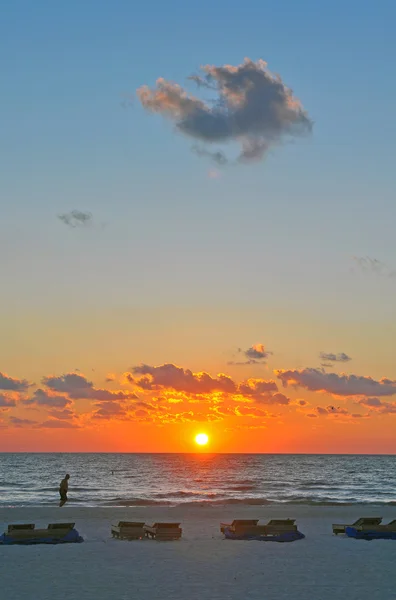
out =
column 201, row 439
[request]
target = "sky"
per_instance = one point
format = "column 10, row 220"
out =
column 197, row 226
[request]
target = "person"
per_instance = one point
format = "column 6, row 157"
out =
column 63, row 489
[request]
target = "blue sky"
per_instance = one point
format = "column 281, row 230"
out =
column 278, row 236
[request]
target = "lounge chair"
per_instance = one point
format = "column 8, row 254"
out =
column 28, row 534
column 163, row 531
column 128, row 530
column 239, row 524
column 373, row 532
column 18, row 527
column 280, row 525
column 361, row 524
column 276, row 530
column 391, row 526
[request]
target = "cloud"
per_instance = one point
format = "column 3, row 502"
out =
column 253, row 108
column 218, row 157
column 316, row 380
column 262, row 391
column 110, row 410
column 336, row 412
column 330, row 356
column 64, row 415
column 17, row 422
column 76, row 218
column 78, row 387
column 375, row 404
column 6, row 401
column 42, row 398
column 373, row 265
column 257, row 351
column 201, row 387
column 16, row 385
column 169, row 375
column 256, row 354
column 54, row 424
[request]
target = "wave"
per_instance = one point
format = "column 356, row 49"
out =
column 10, row 484
column 146, row 502
column 183, row 494
column 243, row 488
column 137, row 502
column 72, row 489
column 266, row 501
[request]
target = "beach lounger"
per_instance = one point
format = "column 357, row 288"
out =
column 373, row 532
column 280, row 525
column 239, row 524
column 128, row 530
column 276, row 530
column 163, row 531
column 361, row 524
column 18, row 527
column 53, row 534
column 391, row 526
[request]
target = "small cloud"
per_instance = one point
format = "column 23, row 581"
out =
column 78, row 387
column 217, row 157
column 54, row 424
column 6, row 401
column 15, row 385
column 17, row 422
column 330, row 356
column 253, row 108
column 42, row 398
column 254, row 355
column 373, row 265
column 76, row 218
column 316, row 380
column 375, row 404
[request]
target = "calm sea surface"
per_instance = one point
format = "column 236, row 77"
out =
column 169, row 479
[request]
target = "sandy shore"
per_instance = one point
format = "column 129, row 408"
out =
column 202, row 566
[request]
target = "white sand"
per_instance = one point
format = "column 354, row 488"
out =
column 202, row 565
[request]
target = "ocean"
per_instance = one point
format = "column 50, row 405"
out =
column 171, row 479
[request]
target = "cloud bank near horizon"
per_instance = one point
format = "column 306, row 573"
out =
column 168, row 394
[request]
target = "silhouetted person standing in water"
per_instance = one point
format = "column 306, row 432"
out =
column 63, row 489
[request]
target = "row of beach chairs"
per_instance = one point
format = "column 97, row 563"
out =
column 135, row 530
column 367, row 524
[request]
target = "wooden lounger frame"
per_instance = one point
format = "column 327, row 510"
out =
column 252, row 527
column 163, row 531
column 361, row 524
column 128, row 530
column 239, row 524
column 28, row 531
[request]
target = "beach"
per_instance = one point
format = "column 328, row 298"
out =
column 202, row 565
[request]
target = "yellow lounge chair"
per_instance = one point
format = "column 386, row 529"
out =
column 242, row 525
column 128, row 530
column 163, row 531
column 276, row 526
column 29, row 532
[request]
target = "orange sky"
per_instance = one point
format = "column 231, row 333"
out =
column 160, row 408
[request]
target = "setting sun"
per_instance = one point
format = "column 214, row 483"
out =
column 201, row 439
